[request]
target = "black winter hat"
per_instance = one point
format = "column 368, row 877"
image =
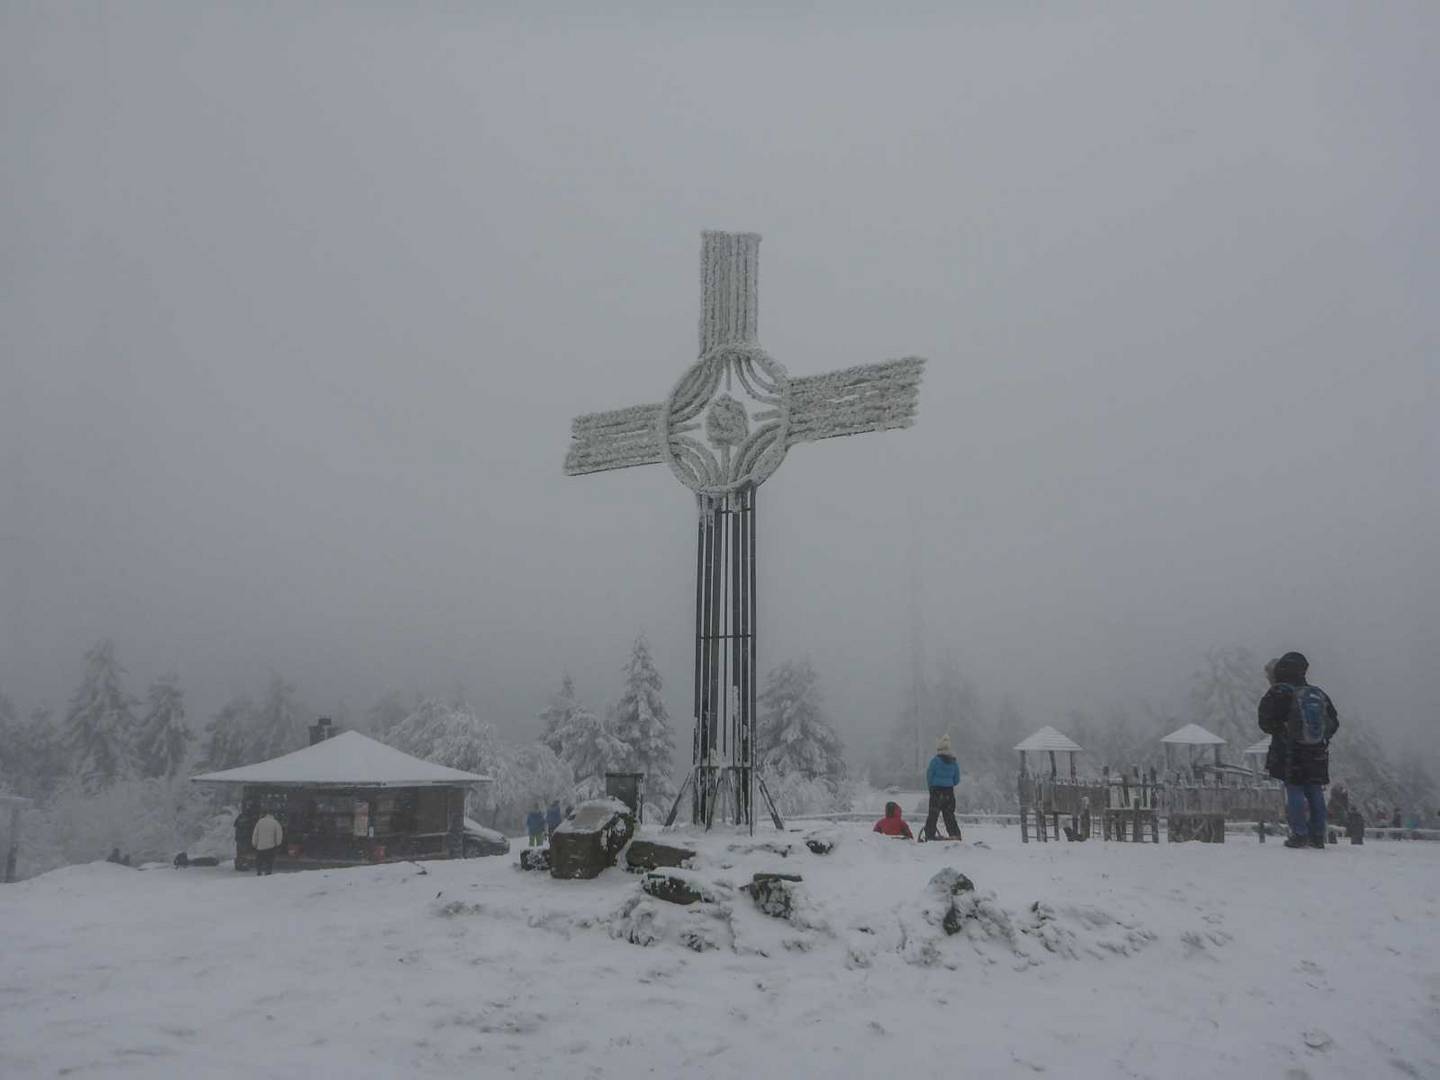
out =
column 1295, row 661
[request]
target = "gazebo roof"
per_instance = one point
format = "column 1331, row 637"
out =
column 345, row 760
column 1261, row 747
column 1047, row 738
column 1193, row 735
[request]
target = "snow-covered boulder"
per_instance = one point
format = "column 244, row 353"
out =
column 676, row 886
column 652, row 855
column 591, row 840
column 774, row 894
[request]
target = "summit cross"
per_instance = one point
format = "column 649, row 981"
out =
column 723, row 431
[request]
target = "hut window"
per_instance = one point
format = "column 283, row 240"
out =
column 430, row 811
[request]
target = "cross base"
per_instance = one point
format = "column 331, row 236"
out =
column 731, row 784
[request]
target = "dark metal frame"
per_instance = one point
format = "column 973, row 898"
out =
column 725, row 679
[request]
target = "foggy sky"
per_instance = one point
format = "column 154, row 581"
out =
column 296, row 304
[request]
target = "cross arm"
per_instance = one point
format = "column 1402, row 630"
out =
column 618, row 439
column 870, row 397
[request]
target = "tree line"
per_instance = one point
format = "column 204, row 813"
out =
column 115, row 766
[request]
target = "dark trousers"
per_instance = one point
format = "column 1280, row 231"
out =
column 265, row 862
column 942, row 801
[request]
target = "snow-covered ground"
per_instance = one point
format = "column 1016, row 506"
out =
column 1186, row 960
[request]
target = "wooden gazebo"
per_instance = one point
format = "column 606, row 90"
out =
column 1191, row 735
column 1049, row 741
column 349, row 799
column 1255, row 755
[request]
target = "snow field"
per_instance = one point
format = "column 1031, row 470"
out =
column 1075, row 960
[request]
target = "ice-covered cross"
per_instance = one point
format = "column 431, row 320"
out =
column 724, row 430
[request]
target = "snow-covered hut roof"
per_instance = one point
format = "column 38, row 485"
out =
column 1261, row 747
column 1047, row 738
column 1193, row 735
column 345, row 760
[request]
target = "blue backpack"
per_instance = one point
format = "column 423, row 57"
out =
column 1309, row 714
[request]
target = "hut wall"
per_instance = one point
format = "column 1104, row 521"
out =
column 356, row 825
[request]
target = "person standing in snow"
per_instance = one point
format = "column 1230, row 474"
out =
column 1300, row 720
column 535, row 826
column 893, row 824
column 941, row 777
column 265, row 838
column 552, row 817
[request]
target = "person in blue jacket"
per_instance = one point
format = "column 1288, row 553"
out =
column 552, row 817
column 941, row 777
column 535, row 826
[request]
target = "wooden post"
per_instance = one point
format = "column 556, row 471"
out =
column 1021, row 783
column 1054, row 771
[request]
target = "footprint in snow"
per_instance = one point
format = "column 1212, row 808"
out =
column 1316, row 1039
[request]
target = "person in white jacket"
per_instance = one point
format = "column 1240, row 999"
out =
column 265, row 838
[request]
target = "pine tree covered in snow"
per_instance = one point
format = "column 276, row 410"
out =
column 641, row 722
column 229, row 736
column 279, row 728
column 9, row 750
column 99, row 727
column 558, row 714
column 591, row 750
column 794, row 735
column 30, row 758
column 163, row 735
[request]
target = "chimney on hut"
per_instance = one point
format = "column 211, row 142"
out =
column 321, row 730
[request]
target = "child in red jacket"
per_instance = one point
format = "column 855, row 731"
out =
column 892, row 824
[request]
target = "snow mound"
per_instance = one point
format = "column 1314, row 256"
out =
column 953, row 925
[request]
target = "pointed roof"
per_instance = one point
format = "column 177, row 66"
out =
column 1047, row 738
column 345, row 760
column 1193, row 735
column 1261, row 747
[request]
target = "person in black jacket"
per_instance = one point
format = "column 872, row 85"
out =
column 1303, row 768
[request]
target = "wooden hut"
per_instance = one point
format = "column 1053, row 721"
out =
column 349, row 799
column 1192, row 736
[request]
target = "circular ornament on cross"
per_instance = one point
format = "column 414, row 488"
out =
column 725, row 425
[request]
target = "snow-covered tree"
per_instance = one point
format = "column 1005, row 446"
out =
column 147, row 819
column 448, row 734
column 279, row 727
column 1224, row 693
column 524, row 779
column 99, row 727
column 591, row 750
column 230, row 736
column 642, row 723
column 10, row 763
column 794, row 735
column 386, row 715
column 163, row 735
column 558, row 713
